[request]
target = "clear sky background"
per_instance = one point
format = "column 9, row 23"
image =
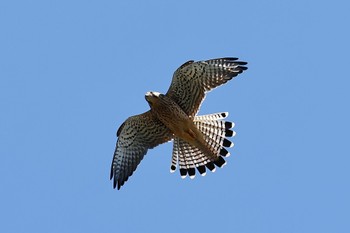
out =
column 72, row 71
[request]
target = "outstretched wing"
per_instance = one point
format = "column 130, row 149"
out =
column 193, row 79
column 135, row 136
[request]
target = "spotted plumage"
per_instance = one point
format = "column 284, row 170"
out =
column 200, row 142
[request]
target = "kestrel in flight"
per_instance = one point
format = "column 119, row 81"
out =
column 199, row 141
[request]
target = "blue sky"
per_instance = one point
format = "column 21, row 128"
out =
column 72, row 71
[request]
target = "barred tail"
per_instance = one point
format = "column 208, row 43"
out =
column 215, row 132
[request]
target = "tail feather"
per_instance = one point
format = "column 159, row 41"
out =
column 211, row 117
column 183, row 155
column 190, row 157
column 182, row 158
column 175, row 157
column 215, row 132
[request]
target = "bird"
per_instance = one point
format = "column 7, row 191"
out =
column 199, row 141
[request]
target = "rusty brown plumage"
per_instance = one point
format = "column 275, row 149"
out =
column 199, row 141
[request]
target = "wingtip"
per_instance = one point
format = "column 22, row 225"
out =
column 243, row 63
column 243, row 67
column 121, row 183
column 235, row 60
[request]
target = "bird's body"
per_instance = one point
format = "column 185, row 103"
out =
column 175, row 119
column 199, row 141
column 168, row 112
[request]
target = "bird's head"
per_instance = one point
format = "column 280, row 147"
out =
column 153, row 98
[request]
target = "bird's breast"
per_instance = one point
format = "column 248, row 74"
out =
column 180, row 124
